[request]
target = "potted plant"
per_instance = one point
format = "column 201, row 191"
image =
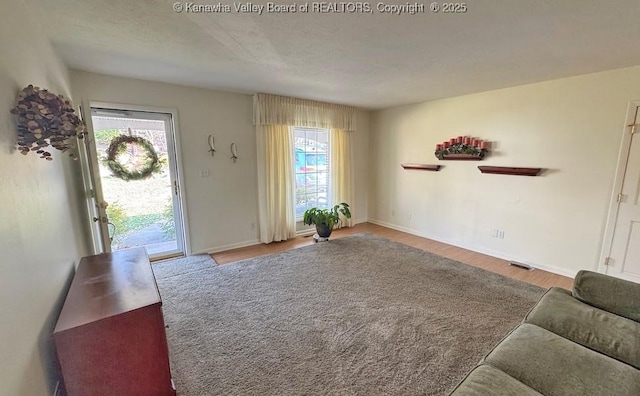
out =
column 325, row 219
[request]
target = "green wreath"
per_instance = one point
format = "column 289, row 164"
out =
column 118, row 146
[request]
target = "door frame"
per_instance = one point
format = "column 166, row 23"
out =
column 87, row 105
column 621, row 168
column 86, row 167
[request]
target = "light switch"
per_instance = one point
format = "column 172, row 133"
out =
column 204, row 172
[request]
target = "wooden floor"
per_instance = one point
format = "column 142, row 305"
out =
column 536, row 277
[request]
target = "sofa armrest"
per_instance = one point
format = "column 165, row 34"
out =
column 617, row 296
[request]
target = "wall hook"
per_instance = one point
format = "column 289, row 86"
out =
column 212, row 147
column 234, row 152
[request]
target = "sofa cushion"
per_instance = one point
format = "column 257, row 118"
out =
column 555, row 366
column 487, row 380
column 604, row 332
column 611, row 294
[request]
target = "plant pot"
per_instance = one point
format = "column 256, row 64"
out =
column 323, row 230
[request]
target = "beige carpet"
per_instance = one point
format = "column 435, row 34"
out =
column 183, row 265
column 359, row 315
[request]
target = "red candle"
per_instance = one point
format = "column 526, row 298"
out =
column 446, row 144
column 474, row 143
column 438, row 147
column 452, row 141
column 484, row 144
column 467, row 140
column 459, row 139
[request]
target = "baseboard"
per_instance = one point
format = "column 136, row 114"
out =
column 556, row 270
column 227, row 247
column 359, row 221
column 399, row 228
column 312, row 230
column 477, row 249
column 222, row 248
column 304, row 233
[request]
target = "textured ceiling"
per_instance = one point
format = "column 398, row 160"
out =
column 372, row 60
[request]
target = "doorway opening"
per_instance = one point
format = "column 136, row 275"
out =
column 131, row 212
column 621, row 251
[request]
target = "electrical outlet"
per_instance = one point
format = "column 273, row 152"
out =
column 410, row 216
column 393, row 213
column 500, row 234
column 204, row 172
column 253, row 226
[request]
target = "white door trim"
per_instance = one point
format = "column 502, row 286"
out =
column 623, row 157
column 89, row 189
column 178, row 151
column 99, row 230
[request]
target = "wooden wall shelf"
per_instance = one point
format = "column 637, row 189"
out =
column 424, row 167
column 505, row 170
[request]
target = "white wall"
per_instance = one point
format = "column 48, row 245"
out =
column 223, row 208
column 571, row 127
column 40, row 225
column 361, row 169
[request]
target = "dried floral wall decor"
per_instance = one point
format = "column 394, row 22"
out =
column 45, row 119
column 139, row 166
column 462, row 148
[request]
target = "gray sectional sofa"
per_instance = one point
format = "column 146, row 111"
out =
column 585, row 342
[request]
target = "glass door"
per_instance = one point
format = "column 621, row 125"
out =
column 132, row 160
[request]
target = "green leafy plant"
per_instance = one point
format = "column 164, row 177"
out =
column 167, row 223
column 117, row 215
column 125, row 224
column 104, row 136
column 326, row 217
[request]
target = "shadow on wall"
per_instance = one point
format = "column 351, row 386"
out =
column 8, row 137
column 48, row 355
column 548, row 172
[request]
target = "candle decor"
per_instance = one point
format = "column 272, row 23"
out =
column 462, row 148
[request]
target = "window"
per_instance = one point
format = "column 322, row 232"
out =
column 311, row 147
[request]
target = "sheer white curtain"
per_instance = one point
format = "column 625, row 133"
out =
column 274, row 117
column 341, row 181
column 276, row 188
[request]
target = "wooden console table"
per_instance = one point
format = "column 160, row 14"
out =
column 110, row 336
